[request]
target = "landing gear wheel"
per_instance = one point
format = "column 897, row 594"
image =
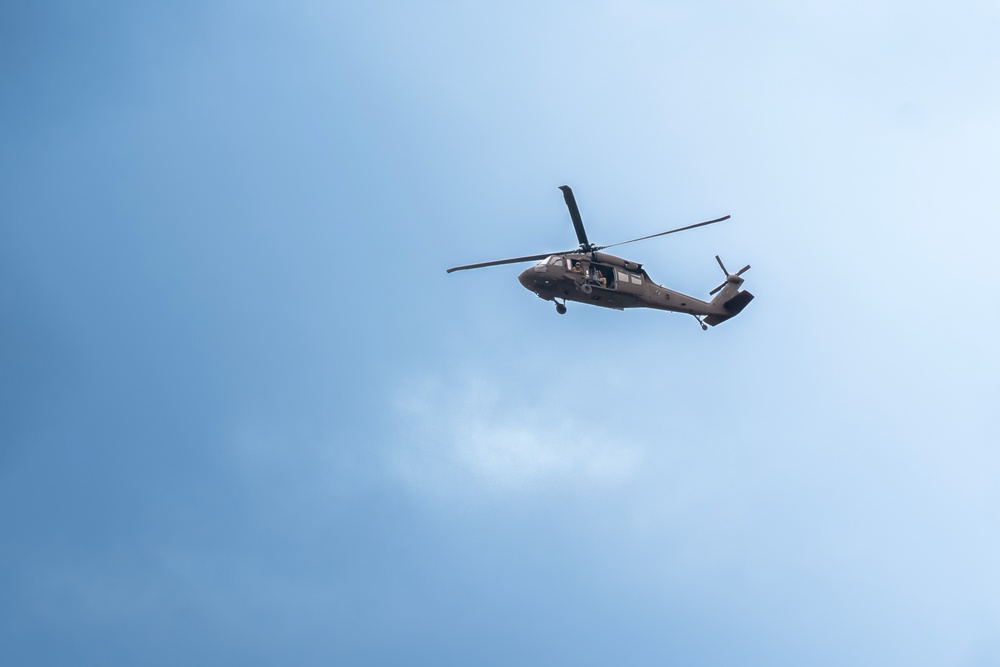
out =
column 561, row 308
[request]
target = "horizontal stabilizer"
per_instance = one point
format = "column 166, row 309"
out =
column 733, row 308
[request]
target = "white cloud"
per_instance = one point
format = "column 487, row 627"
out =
column 468, row 437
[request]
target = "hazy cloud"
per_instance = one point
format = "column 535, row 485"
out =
column 465, row 436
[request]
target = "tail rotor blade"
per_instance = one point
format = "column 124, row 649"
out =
column 728, row 276
column 574, row 213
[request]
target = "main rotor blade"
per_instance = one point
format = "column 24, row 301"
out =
column 679, row 229
column 514, row 260
column 574, row 213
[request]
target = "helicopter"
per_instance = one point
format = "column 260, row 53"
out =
column 587, row 275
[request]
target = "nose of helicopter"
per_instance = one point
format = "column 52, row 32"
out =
column 527, row 277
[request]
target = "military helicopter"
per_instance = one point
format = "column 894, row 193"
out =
column 587, row 275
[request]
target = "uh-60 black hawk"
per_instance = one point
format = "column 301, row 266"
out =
column 588, row 275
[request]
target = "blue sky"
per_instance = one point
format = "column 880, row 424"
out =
column 247, row 417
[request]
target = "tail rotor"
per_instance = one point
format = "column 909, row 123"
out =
column 730, row 277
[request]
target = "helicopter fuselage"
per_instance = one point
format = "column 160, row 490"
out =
column 590, row 276
column 604, row 280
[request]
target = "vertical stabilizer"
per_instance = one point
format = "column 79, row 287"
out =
column 728, row 297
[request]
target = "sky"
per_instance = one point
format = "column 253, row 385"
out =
column 246, row 416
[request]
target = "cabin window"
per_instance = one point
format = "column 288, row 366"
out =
column 623, row 276
column 637, row 280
